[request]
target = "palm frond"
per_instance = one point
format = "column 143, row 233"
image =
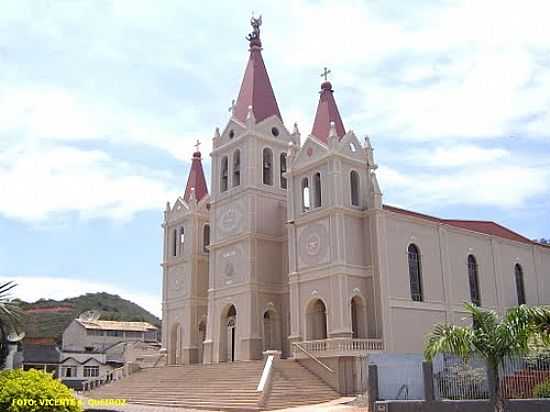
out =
column 539, row 318
column 10, row 312
column 452, row 339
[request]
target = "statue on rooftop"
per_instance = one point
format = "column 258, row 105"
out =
column 255, row 23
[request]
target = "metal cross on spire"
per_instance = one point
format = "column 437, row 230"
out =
column 325, row 73
column 197, row 145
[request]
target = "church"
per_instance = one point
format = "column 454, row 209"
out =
column 294, row 250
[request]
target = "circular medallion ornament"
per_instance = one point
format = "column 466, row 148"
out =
column 313, row 244
column 230, row 220
column 229, row 269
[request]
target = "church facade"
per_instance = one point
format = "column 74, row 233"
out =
column 294, row 250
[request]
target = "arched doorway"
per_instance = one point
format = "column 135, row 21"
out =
column 316, row 320
column 271, row 327
column 175, row 345
column 358, row 318
column 202, row 337
column 229, row 335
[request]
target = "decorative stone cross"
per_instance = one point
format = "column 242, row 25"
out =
column 325, row 73
column 197, row 145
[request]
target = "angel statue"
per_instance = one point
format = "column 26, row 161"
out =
column 255, row 23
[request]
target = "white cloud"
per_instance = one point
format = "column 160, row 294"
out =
column 56, row 115
column 443, row 70
column 505, row 186
column 36, row 182
column 420, row 71
column 458, row 156
column 32, row 288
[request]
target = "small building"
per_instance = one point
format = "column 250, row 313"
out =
column 98, row 335
column 76, row 367
column 91, row 348
column 44, row 357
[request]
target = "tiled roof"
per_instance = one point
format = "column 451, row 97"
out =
column 479, row 226
column 40, row 353
column 256, row 90
column 327, row 112
column 117, row 325
column 196, row 180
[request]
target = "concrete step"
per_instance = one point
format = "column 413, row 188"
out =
column 230, row 386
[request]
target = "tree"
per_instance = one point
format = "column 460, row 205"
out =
column 32, row 391
column 10, row 319
column 492, row 338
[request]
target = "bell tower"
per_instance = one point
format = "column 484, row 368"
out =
column 185, row 270
column 247, row 304
column 333, row 193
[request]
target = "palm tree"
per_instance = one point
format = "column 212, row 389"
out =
column 492, row 338
column 10, row 318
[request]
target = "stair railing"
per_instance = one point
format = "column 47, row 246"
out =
column 313, row 357
column 111, row 376
column 163, row 356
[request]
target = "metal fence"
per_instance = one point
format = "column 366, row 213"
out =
column 520, row 376
column 459, row 380
column 456, row 379
column 400, row 376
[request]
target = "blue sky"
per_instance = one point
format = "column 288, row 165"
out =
column 101, row 101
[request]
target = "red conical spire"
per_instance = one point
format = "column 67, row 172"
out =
column 327, row 112
column 196, row 181
column 256, row 90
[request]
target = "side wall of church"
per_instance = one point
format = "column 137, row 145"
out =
column 444, row 252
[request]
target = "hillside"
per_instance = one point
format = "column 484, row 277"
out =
column 49, row 318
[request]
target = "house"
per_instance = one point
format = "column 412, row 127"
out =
column 91, row 348
column 44, row 356
column 97, row 335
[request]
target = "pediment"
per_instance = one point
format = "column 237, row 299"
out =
column 274, row 128
column 233, row 129
column 311, row 151
column 182, row 208
column 179, row 209
column 351, row 146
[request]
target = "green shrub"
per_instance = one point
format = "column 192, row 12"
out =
column 34, row 391
column 542, row 390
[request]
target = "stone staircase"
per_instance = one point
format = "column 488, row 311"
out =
column 294, row 385
column 223, row 386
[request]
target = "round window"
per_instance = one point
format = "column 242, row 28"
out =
column 231, row 134
column 275, row 131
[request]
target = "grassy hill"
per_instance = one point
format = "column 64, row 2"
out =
column 49, row 318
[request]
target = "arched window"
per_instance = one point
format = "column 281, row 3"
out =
column 236, row 168
column 305, row 194
column 181, row 239
column 415, row 273
column 317, row 189
column 354, row 185
column 358, row 322
column 316, row 320
column 520, row 287
column 267, row 167
column 205, row 238
column 175, row 242
column 473, row 279
column 282, row 161
column 224, row 174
